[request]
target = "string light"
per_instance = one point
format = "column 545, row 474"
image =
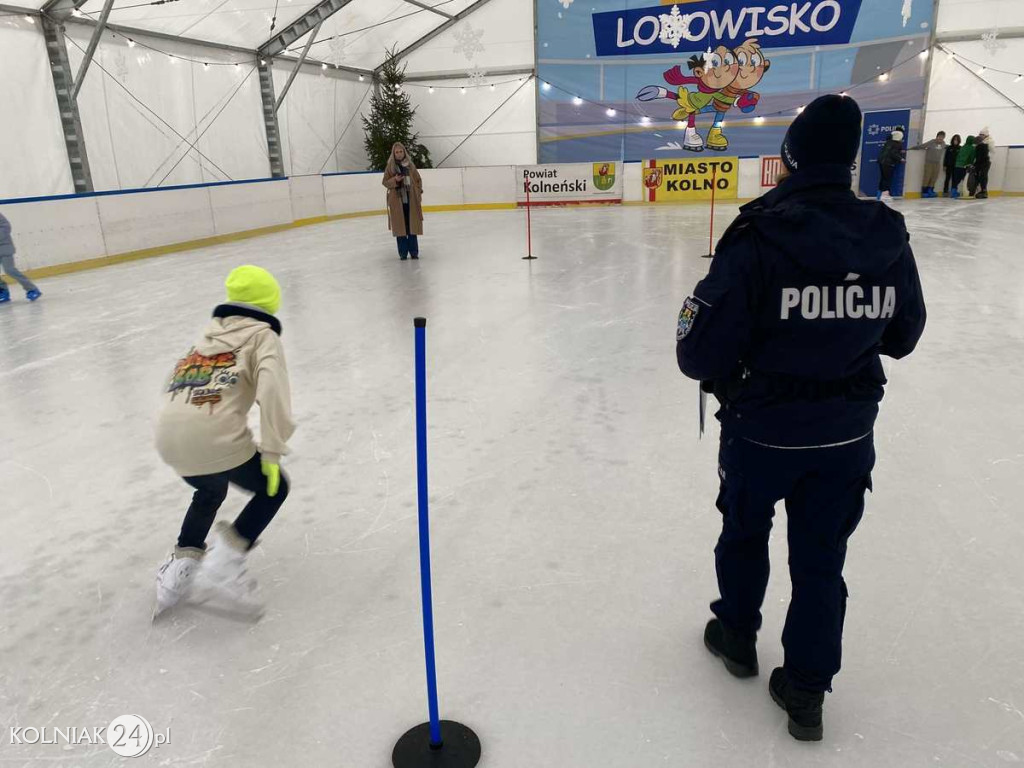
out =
column 206, row 65
column 680, row 125
column 983, row 70
column 883, row 77
column 759, row 120
column 1018, row 78
column 263, row 63
column 492, row 86
column 923, row 54
column 800, row 109
column 610, row 112
column 29, row 19
column 430, row 89
column 546, row 85
column 323, row 67
column 577, row 100
column 844, row 94
column 462, row 91
column 361, row 78
column 131, row 43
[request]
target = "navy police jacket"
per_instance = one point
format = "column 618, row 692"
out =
column 809, row 285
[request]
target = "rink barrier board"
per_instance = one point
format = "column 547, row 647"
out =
column 115, row 218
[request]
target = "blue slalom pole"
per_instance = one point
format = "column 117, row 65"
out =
column 423, row 745
column 424, row 516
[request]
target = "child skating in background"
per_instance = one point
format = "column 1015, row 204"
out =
column 7, row 252
column 203, row 435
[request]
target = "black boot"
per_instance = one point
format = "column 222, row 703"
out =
column 738, row 652
column 803, row 707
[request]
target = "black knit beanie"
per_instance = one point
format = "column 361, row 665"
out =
column 826, row 132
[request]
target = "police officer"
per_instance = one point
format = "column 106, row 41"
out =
column 808, row 287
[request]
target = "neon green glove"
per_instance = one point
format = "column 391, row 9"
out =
column 273, row 475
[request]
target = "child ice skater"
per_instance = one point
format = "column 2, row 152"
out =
column 7, row 252
column 203, row 435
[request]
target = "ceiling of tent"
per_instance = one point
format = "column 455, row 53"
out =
column 360, row 33
column 355, row 36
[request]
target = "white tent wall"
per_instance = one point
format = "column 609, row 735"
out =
column 321, row 131
column 986, row 15
column 33, row 157
column 134, row 145
column 502, row 28
column 962, row 101
column 460, row 129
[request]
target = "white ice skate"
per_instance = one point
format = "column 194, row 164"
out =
column 886, row 197
column 222, row 583
column 692, row 142
column 175, row 577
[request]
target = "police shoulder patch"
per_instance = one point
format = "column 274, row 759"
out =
column 686, row 317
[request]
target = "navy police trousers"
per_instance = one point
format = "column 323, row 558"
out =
column 824, row 493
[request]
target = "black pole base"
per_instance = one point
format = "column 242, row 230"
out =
column 531, row 256
column 460, row 748
column 707, row 255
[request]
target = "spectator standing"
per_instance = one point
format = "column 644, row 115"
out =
column 949, row 162
column 935, row 152
column 964, row 161
column 888, row 161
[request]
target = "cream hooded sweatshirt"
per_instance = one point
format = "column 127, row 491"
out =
column 203, row 425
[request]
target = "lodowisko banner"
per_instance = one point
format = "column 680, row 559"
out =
column 694, row 25
column 632, row 80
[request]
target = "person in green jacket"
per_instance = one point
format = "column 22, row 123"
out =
column 964, row 160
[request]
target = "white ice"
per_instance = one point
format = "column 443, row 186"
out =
column 573, row 515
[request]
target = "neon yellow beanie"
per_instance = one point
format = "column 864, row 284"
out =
column 256, row 286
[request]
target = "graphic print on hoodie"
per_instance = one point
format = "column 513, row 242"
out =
column 203, row 427
column 203, row 377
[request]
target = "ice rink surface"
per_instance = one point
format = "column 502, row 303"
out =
column 573, row 510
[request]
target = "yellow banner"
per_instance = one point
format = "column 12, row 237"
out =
column 691, row 179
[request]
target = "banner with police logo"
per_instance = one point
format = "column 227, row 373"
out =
column 691, row 179
column 566, row 183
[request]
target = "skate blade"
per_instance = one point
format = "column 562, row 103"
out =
column 212, row 601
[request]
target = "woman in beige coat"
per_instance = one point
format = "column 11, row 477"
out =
column 405, row 201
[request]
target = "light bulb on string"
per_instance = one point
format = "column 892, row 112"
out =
column 883, row 77
column 263, row 62
column 206, row 65
column 759, row 120
column 361, row 78
column 131, row 43
column 577, row 100
column 1018, row 78
column 800, row 110
column 29, row 19
column 324, row 66
column 983, row 70
column 462, row 90
column 492, row 86
column 610, row 112
column 546, row 85
column 923, row 54
column 430, row 89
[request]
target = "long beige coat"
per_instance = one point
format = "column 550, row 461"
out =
column 396, row 217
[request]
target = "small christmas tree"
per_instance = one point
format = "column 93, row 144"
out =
column 390, row 120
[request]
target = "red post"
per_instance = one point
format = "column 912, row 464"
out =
column 711, row 234
column 529, row 228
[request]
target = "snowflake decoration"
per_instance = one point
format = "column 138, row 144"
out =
column 675, row 27
column 469, row 44
column 908, row 11
column 476, row 77
column 119, row 66
column 337, row 46
column 991, row 42
column 565, row 3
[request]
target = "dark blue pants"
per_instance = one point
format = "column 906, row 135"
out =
column 824, row 493
column 408, row 245
column 210, row 492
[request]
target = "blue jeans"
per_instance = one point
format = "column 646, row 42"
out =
column 824, row 493
column 408, row 245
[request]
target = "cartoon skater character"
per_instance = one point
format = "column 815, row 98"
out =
column 712, row 73
column 750, row 67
